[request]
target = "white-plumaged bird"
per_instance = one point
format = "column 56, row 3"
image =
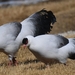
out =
column 8, row 39
column 36, row 24
column 46, row 47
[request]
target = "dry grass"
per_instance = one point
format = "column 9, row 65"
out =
column 28, row 64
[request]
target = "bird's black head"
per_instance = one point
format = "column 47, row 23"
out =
column 25, row 41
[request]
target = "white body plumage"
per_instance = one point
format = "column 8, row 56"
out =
column 46, row 47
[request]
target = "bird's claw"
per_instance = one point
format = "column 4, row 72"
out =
column 13, row 62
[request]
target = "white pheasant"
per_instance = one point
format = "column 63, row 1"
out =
column 46, row 47
column 8, row 39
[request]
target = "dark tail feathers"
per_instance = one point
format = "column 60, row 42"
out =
column 72, row 56
column 42, row 21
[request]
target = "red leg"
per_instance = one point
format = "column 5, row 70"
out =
column 10, row 63
column 14, row 61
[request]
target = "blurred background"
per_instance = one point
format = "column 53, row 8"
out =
column 18, row 10
column 19, row 2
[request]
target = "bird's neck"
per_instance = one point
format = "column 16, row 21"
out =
column 30, row 40
column 26, row 30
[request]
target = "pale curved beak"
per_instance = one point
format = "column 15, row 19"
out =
column 24, row 46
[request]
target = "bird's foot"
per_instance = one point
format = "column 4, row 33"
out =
column 13, row 62
column 10, row 63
